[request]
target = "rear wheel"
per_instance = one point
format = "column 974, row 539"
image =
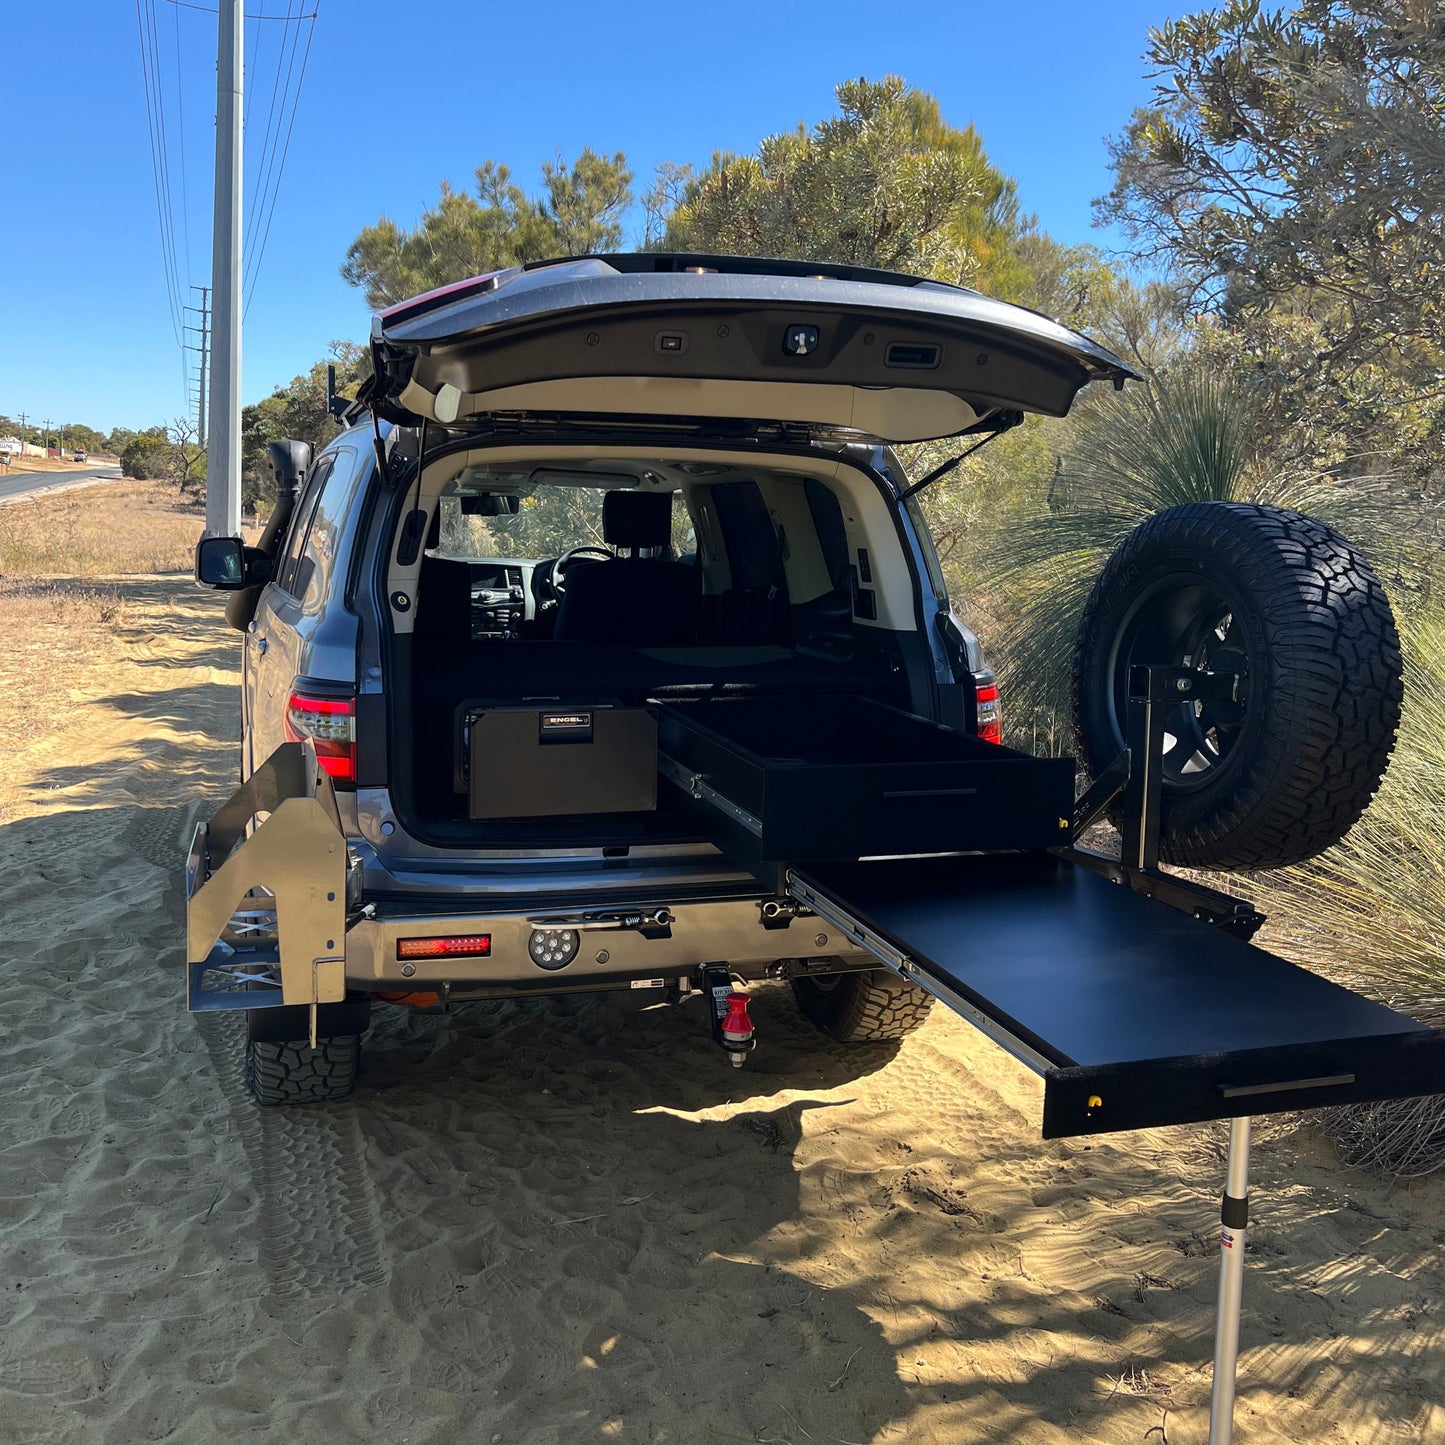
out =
column 863, row 1007
column 295, row 1073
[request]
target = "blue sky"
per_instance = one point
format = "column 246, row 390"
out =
column 398, row 96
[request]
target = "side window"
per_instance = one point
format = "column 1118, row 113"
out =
column 289, row 576
column 753, row 546
column 925, row 544
column 319, row 549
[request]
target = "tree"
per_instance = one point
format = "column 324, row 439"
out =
column 885, row 182
column 1294, row 164
column 464, row 235
column 146, row 455
column 186, row 457
column 297, row 410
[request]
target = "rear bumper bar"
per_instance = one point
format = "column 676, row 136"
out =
column 276, row 916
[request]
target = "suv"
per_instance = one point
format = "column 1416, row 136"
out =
column 611, row 598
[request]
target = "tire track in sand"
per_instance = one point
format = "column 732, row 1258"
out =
column 320, row 1227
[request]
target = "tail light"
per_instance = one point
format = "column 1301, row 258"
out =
column 458, row 945
column 990, row 720
column 330, row 723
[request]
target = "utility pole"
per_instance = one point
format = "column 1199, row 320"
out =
column 223, row 454
column 23, row 442
column 204, row 312
column 47, row 436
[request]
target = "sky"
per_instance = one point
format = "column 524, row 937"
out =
column 398, row 97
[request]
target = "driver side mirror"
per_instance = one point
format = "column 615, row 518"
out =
column 226, row 564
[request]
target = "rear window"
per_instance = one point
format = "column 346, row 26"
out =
column 512, row 515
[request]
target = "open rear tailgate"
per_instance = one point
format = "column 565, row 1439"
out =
column 1135, row 1014
column 835, row 348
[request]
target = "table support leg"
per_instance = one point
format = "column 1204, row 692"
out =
column 1234, row 1219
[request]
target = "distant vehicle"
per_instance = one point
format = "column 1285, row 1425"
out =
column 80, row 454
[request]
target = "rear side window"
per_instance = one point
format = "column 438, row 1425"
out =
column 752, row 544
column 925, row 545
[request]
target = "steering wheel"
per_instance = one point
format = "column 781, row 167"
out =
column 557, row 573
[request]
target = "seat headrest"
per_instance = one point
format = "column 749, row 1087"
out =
column 637, row 519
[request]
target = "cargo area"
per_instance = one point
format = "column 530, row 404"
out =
column 609, row 594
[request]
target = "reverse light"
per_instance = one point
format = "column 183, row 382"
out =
column 330, row 723
column 457, row 945
column 990, row 720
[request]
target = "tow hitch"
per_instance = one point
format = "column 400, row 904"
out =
column 732, row 1027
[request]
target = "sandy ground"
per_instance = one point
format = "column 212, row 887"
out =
column 542, row 1225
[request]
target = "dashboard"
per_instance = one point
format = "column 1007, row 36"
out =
column 503, row 597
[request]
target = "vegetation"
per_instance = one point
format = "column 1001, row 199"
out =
column 75, row 435
column 1291, row 175
column 1189, row 437
column 883, row 183
column 297, row 410
column 1372, row 910
column 107, row 530
column 579, row 211
column 172, row 454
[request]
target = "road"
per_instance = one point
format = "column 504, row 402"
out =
column 15, row 483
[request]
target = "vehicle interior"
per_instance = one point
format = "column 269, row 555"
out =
column 621, row 583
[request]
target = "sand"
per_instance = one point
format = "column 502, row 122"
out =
column 537, row 1223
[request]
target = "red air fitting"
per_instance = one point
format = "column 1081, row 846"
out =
column 737, row 1028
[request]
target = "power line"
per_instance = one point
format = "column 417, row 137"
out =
column 165, row 150
column 253, row 62
column 211, row 10
column 181, row 118
column 165, row 153
column 285, row 151
column 156, row 174
column 267, row 153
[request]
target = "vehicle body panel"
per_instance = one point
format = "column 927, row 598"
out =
column 888, row 357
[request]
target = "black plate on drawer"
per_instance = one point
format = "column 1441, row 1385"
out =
column 781, row 779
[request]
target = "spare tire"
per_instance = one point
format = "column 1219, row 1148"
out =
column 1286, row 601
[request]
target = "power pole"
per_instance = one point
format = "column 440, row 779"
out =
column 223, row 454
column 23, row 442
column 204, row 330
column 47, row 436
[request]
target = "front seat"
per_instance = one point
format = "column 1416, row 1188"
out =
column 637, row 601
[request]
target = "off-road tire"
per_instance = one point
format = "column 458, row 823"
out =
column 295, row 1073
column 1322, row 699
column 866, row 1007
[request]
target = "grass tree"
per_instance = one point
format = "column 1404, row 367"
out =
column 1372, row 909
column 1188, row 436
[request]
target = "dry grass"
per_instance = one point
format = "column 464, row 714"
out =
column 110, row 529
column 55, row 630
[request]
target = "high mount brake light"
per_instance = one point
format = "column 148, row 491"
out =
column 990, row 722
column 330, row 723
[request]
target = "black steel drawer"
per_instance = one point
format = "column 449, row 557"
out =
column 783, row 779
